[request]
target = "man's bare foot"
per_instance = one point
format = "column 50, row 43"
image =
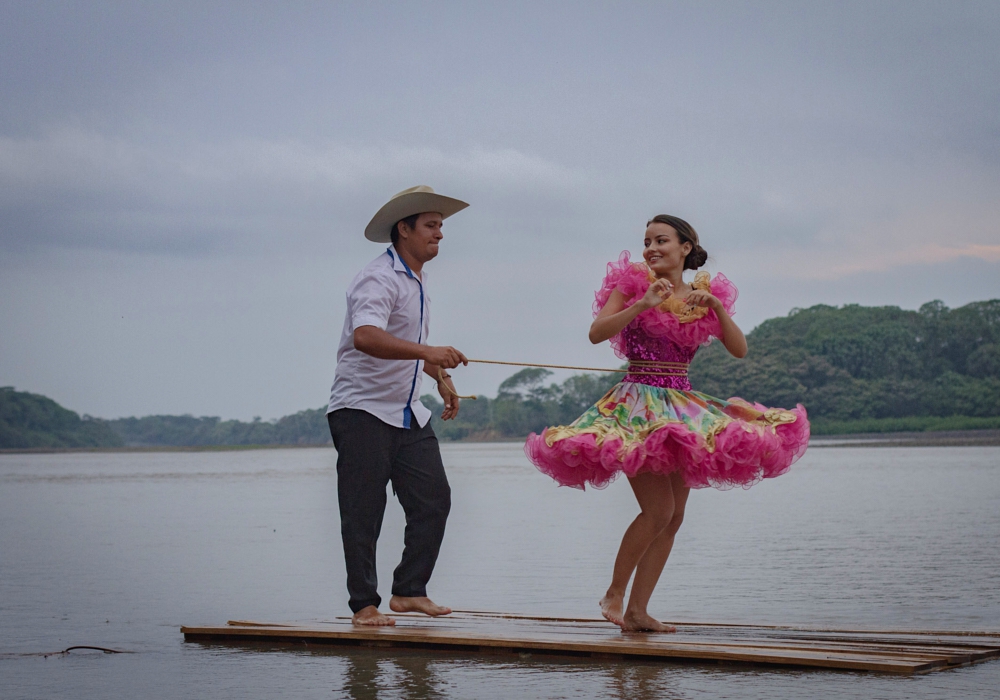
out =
column 611, row 608
column 423, row 605
column 371, row 617
column 642, row 622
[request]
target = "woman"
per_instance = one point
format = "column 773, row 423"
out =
column 664, row 437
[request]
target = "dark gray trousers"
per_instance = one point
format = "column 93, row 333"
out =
column 370, row 454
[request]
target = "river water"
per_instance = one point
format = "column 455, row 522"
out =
column 121, row 549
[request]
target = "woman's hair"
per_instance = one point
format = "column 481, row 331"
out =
column 410, row 221
column 697, row 257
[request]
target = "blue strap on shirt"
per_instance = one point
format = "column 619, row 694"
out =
column 407, row 411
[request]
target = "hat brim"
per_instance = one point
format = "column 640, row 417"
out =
column 379, row 229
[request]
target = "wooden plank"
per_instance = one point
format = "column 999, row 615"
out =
column 973, row 652
column 622, row 648
column 981, row 647
column 733, row 625
column 805, row 638
column 871, row 650
column 605, row 648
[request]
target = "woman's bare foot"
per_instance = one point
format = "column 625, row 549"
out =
column 371, row 617
column 611, row 608
column 421, row 605
column 642, row 622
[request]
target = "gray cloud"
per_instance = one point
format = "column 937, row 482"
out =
column 202, row 172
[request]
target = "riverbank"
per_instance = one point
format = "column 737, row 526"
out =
column 907, row 424
column 157, row 448
column 940, row 438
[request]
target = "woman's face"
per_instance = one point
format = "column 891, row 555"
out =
column 663, row 250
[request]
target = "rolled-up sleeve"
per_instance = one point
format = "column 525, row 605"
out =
column 372, row 299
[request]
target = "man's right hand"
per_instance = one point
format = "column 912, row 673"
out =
column 444, row 356
column 379, row 343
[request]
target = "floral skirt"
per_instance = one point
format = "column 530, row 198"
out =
column 639, row 428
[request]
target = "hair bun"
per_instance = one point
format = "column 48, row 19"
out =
column 696, row 258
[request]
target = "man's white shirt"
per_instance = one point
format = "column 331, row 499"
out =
column 388, row 295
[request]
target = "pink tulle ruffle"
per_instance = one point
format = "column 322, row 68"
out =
column 744, row 454
column 632, row 280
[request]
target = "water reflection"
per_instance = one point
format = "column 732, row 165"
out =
column 410, row 677
column 639, row 680
column 400, row 674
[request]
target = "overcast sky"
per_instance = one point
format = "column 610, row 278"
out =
column 184, row 186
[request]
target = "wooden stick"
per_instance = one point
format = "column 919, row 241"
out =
column 644, row 363
column 665, row 369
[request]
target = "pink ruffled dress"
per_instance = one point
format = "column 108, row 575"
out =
column 653, row 422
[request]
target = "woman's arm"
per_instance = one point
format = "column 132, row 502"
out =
column 732, row 336
column 613, row 318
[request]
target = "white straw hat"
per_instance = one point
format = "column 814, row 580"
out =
column 415, row 200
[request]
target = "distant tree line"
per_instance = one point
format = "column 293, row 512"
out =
column 32, row 420
column 855, row 368
column 307, row 427
column 523, row 404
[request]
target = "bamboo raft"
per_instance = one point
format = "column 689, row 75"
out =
column 904, row 652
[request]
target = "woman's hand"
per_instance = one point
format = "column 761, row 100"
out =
column 732, row 337
column 615, row 315
column 658, row 291
column 699, row 297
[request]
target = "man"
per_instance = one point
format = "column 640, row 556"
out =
column 380, row 429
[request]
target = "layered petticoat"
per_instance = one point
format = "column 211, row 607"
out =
column 640, row 428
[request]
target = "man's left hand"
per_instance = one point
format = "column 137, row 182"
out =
column 450, row 400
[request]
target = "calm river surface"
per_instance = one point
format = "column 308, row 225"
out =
column 121, row 549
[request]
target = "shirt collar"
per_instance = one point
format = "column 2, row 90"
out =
column 398, row 264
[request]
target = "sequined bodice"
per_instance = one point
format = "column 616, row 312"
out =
column 638, row 345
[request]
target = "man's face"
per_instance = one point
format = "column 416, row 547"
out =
column 422, row 240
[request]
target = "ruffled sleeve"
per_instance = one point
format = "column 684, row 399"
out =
column 726, row 292
column 629, row 278
column 632, row 280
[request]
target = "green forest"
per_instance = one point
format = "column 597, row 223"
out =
column 861, row 368
column 31, row 420
column 856, row 369
column 307, row 427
